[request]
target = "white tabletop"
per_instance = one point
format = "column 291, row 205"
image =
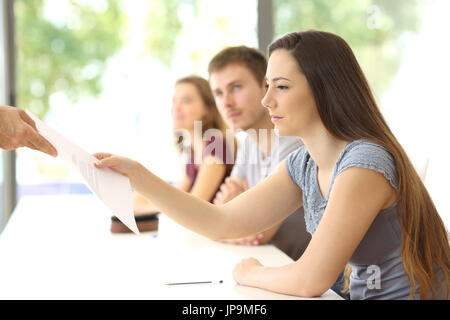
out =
column 60, row 247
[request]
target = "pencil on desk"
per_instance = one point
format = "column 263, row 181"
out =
column 195, row 282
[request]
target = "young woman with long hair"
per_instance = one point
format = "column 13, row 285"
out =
column 207, row 161
column 364, row 203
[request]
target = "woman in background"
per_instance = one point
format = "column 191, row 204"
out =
column 204, row 155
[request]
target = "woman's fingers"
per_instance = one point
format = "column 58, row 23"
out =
column 224, row 188
column 105, row 161
column 102, row 155
column 218, row 198
column 252, row 240
column 233, row 183
column 121, row 165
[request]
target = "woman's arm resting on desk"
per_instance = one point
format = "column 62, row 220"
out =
column 209, row 177
column 257, row 209
column 357, row 196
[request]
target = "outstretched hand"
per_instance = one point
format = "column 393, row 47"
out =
column 17, row 130
column 122, row 165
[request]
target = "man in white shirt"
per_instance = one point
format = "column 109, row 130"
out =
column 237, row 79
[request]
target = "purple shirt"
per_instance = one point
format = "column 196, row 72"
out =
column 219, row 150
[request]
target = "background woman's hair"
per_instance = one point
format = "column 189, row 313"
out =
column 349, row 111
column 213, row 119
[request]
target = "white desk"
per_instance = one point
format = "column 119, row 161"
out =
column 60, row 247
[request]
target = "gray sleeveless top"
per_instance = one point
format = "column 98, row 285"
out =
column 377, row 270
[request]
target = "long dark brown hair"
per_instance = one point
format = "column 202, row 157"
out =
column 349, row 111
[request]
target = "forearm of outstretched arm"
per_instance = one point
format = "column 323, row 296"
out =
column 196, row 214
column 268, row 234
column 257, row 209
column 264, row 206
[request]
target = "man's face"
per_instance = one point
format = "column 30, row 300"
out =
column 238, row 96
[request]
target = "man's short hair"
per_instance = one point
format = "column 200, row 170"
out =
column 250, row 58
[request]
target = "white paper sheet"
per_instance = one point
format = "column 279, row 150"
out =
column 112, row 188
